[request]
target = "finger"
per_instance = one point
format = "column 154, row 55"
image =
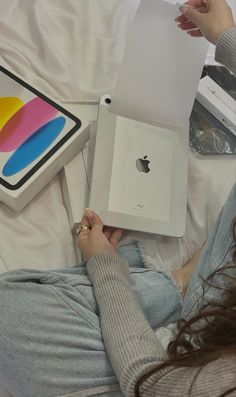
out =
column 108, row 232
column 187, row 26
column 194, row 3
column 81, row 234
column 94, row 220
column 195, row 33
column 194, row 15
column 181, row 19
column 200, row 5
column 116, row 236
column 85, row 220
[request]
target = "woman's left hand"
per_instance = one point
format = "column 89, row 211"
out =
column 97, row 239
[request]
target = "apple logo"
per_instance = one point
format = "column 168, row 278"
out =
column 143, row 165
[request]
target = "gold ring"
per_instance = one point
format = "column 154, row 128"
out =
column 79, row 228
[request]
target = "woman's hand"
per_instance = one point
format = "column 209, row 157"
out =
column 206, row 18
column 97, row 239
column 183, row 275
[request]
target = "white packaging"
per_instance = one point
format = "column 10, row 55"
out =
column 76, row 175
column 161, row 69
column 217, row 102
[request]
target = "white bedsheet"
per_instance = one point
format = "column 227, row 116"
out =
column 72, row 49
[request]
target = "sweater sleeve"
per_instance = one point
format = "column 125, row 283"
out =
column 132, row 345
column 226, row 49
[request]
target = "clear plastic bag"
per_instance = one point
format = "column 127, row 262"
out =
column 207, row 135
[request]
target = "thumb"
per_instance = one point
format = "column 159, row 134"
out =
column 192, row 14
column 94, row 220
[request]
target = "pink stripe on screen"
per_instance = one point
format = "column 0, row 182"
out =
column 24, row 123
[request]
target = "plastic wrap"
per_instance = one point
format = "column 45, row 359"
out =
column 207, row 135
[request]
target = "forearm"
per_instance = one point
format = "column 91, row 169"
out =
column 132, row 346
column 226, row 49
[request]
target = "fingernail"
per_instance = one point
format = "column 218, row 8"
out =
column 89, row 211
column 184, row 9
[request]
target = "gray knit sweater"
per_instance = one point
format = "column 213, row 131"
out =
column 134, row 348
column 132, row 345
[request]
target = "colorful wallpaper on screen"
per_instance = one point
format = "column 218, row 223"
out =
column 26, row 131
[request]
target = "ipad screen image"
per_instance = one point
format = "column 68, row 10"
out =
column 32, row 129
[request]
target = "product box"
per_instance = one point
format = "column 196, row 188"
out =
column 37, row 138
column 220, row 103
column 76, row 175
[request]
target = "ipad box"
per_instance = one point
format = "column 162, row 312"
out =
column 140, row 168
column 37, row 138
column 139, row 178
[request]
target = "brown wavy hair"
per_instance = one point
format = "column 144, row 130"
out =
column 216, row 335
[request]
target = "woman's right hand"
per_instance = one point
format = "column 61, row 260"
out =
column 210, row 19
column 97, row 239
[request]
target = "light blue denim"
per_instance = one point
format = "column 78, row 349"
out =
column 216, row 254
column 50, row 338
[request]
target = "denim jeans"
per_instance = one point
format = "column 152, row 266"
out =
column 216, row 254
column 50, row 336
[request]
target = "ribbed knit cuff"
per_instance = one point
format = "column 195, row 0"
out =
column 226, row 49
column 106, row 262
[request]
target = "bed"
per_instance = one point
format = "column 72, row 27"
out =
column 71, row 49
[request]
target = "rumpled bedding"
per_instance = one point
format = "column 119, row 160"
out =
column 72, row 49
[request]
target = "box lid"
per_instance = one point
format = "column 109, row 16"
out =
column 161, row 68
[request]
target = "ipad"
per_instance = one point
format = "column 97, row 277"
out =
column 139, row 179
column 32, row 129
column 141, row 171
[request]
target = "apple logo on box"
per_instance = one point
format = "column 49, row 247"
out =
column 143, row 165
